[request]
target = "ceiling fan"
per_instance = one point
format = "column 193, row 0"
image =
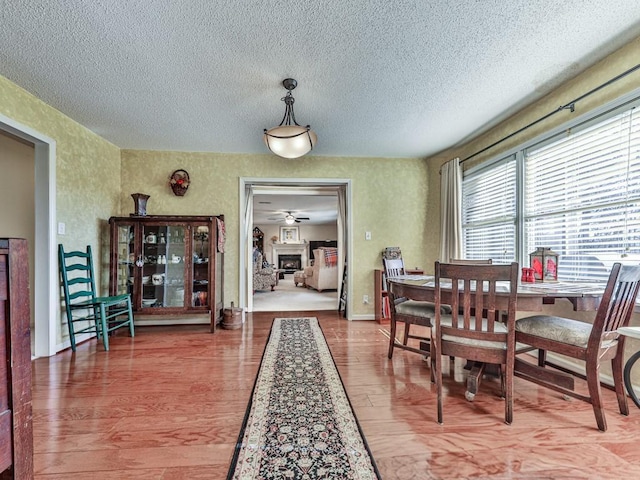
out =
column 290, row 219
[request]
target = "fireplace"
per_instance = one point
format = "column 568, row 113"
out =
column 288, row 253
column 289, row 263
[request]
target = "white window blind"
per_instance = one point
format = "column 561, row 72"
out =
column 582, row 197
column 489, row 212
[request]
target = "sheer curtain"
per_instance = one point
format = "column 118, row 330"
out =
column 451, row 211
column 248, row 246
column 342, row 236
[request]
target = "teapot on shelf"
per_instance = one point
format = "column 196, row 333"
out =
column 157, row 278
column 151, row 238
column 176, row 258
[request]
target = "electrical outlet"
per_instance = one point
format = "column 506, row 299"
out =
column 365, row 299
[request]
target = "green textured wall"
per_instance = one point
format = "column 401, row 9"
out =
column 87, row 171
column 381, row 203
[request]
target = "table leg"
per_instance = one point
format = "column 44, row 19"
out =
column 474, row 379
column 627, row 377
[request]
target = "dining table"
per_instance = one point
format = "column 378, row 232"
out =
column 531, row 297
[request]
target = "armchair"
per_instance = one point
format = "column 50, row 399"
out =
column 264, row 278
column 323, row 275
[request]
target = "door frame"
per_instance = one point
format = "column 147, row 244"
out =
column 246, row 234
column 46, row 298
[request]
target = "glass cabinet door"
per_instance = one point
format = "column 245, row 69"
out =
column 126, row 259
column 200, row 266
column 163, row 274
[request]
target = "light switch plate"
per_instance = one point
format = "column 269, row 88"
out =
column 62, row 228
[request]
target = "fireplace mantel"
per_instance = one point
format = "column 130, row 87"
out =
column 301, row 249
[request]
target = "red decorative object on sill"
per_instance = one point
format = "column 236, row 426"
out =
column 179, row 182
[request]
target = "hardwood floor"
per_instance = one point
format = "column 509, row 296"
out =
column 168, row 404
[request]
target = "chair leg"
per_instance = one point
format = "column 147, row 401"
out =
column 542, row 357
column 593, row 382
column 130, row 316
column 508, row 394
column 405, row 338
column 102, row 327
column 392, row 337
column 618, row 382
column 437, row 362
column 72, row 336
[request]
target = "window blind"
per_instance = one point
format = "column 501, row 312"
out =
column 580, row 194
column 489, row 212
column 582, row 197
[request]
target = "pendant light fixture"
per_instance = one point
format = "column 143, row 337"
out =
column 290, row 140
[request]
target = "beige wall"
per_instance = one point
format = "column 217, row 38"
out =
column 87, row 172
column 17, row 195
column 379, row 205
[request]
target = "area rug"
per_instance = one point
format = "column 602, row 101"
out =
column 299, row 422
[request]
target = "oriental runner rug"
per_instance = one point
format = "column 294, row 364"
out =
column 299, row 422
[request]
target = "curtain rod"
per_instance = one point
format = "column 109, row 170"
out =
column 569, row 106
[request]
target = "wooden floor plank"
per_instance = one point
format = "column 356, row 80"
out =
column 169, row 403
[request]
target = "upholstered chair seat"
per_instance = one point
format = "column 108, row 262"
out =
column 415, row 308
column 558, row 329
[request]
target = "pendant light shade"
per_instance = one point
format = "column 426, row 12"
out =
column 290, row 140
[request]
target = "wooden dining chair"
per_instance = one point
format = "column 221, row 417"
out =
column 408, row 312
column 591, row 343
column 87, row 312
column 475, row 330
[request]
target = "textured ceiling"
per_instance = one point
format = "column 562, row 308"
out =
column 375, row 77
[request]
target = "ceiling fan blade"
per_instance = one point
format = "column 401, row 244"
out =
column 303, row 218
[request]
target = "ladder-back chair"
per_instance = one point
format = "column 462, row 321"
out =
column 408, row 312
column 474, row 330
column 86, row 311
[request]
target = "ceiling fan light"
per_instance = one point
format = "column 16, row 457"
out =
column 289, row 219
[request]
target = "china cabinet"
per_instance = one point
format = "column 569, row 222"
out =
column 170, row 265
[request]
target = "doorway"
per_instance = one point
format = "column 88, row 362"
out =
column 43, row 249
column 249, row 187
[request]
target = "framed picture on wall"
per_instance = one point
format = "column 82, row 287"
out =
column 289, row 235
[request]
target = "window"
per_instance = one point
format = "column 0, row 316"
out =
column 580, row 197
column 489, row 212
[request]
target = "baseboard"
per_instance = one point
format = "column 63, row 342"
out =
column 156, row 320
column 363, row 316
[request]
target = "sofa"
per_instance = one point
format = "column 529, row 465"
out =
column 264, row 277
column 323, row 274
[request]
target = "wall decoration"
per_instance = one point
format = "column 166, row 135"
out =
column 179, row 182
column 289, row 235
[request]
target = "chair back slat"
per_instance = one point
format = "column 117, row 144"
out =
column 78, row 280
